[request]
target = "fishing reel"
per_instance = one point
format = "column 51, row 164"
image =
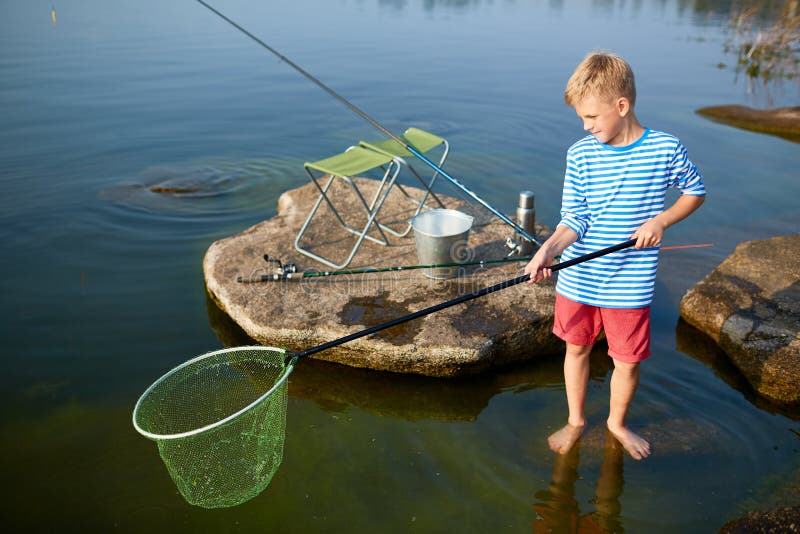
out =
column 522, row 247
column 279, row 267
column 515, row 249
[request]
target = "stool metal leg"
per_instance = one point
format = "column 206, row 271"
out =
column 372, row 209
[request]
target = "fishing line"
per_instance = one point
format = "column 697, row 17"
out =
column 377, row 125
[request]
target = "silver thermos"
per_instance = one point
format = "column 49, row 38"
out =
column 526, row 219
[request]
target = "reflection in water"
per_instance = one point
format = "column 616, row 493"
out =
column 702, row 348
column 556, row 507
column 697, row 7
column 765, row 39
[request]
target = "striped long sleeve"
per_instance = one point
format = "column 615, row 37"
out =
column 608, row 193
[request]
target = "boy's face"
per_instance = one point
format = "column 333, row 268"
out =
column 605, row 118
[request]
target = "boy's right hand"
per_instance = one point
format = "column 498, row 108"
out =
column 539, row 266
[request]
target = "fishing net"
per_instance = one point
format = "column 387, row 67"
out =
column 219, row 421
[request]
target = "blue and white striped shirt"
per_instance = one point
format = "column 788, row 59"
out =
column 608, row 193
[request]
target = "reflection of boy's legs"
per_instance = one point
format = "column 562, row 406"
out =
column 576, row 378
column 558, row 509
column 609, row 486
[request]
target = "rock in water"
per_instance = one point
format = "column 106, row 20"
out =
column 750, row 305
column 783, row 122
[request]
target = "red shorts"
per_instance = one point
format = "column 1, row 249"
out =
column 627, row 329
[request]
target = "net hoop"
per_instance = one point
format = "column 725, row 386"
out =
column 286, row 372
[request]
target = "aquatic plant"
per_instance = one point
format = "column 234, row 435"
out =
column 766, row 40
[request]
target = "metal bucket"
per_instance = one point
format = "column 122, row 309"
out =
column 441, row 237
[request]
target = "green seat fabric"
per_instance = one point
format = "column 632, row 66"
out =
column 355, row 161
column 419, row 139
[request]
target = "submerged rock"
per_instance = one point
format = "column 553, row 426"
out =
column 769, row 521
column 783, row 122
column 750, row 306
column 507, row 326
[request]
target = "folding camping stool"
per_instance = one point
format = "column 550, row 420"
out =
column 353, row 162
column 424, row 142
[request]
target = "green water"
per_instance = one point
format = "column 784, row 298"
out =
column 102, row 282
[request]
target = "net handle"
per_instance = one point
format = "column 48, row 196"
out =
column 459, row 300
column 286, row 372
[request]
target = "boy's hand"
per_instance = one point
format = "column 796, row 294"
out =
column 649, row 234
column 538, row 267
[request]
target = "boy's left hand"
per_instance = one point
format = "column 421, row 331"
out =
column 649, row 234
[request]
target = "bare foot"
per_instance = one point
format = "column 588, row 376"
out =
column 637, row 446
column 562, row 440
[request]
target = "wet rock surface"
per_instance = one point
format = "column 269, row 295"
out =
column 750, row 306
column 507, row 326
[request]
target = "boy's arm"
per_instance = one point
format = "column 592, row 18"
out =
column 539, row 265
column 651, row 232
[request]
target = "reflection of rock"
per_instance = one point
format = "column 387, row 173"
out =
column 702, row 348
column 783, row 122
column 226, row 330
column 507, row 326
column 750, row 305
column 413, row 397
column 779, row 520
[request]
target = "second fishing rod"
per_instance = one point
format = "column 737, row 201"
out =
column 518, row 229
column 289, row 271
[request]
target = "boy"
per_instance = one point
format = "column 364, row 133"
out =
column 614, row 189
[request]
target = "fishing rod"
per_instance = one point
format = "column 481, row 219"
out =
column 289, row 270
column 377, row 125
column 290, row 274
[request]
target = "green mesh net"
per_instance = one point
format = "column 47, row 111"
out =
column 219, row 421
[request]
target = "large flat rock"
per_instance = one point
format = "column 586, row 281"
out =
column 750, row 305
column 507, row 326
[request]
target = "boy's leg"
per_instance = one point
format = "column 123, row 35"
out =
column 578, row 325
column 576, row 378
column 624, row 381
column 628, row 334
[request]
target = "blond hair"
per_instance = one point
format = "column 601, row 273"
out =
column 602, row 75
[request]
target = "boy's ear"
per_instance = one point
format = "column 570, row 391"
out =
column 623, row 106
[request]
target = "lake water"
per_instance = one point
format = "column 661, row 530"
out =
column 103, row 288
